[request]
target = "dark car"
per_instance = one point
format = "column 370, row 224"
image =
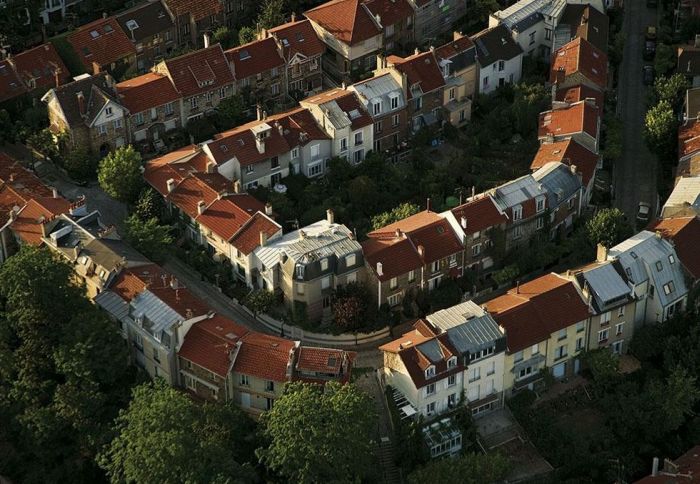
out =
column 649, row 50
column 648, row 75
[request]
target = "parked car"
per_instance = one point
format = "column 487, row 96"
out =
column 649, row 50
column 650, row 33
column 643, row 213
column 648, row 75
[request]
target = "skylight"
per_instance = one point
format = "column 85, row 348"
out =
column 132, row 25
column 244, row 54
column 285, row 42
column 300, row 37
column 108, row 29
column 94, row 34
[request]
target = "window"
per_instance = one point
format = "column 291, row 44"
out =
column 659, row 266
column 451, row 94
column 315, row 170
column 350, row 260
column 249, row 169
column 418, row 103
column 539, row 223
column 669, row 288
column 617, row 347
column 315, row 151
column 452, row 399
column 275, row 89
column 651, row 292
column 475, row 374
column 350, row 278
column 561, row 335
column 525, row 372
column 117, row 123
column 193, row 103
column 532, row 38
column 560, row 352
column 621, row 311
column 108, row 111
column 102, row 129
column 517, row 213
column 518, row 356
column 491, row 369
column 378, row 127
column 476, row 250
column 605, row 318
column 486, row 81
column 138, row 341
column 295, row 153
column 451, row 380
column 540, row 204
column 269, row 386
column 269, row 402
column 452, row 362
column 395, row 120
column 358, row 138
column 435, row 266
column 326, row 302
column 156, row 356
column 548, row 34
column 671, row 259
column 393, row 283
column 393, row 300
column 190, row 383
column 377, row 145
column 517, row 231
column 274, row 162
column 326, row 282
column 430, row 389
column 501, row 66
column 169, row 109
column 430, row 408
column 343, row 144
column 580, row 326
column 324, row 264
column 394, row 102
column 138, row 119
column 571, row 203
column 602, row 336
column 376, row 107
column 358, row 156
column 534, row 349
column 619, row 328
column 579, row 344
column 411, row 275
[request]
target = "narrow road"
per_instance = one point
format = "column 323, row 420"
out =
column 635, row 174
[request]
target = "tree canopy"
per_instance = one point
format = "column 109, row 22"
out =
column 120, row 175
column 397, row 213
column 608, row 227
column 320, row 435
column 148, row 237
column 466, row 469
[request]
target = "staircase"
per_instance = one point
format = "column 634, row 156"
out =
column 390, row 472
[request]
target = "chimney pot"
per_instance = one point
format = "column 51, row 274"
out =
column 427, row 205
column 268, row 209
column 258, row 112
column 380, row 269
column 421, row 251
column 54, row 192
column 207, row 40
column 330, row 216
column 293, row 18
column 170, row 184
column 398, row 233
column 601, row 253
column 201, row 207
column 237, row 186
column 81, row 102
column 463, row 222
column 655, row 467
column 173, row 283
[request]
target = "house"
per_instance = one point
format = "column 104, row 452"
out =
column 499, row 57
column 457, row 60
column 683, row 469
column 531, row 24
column 384, row 98
column 651, row 265
column 320, row 365
column 352, row 34
column 259, row 68
column 102, row 45
column 95, row 251
column 28, row 225
column 570, row 153
column 154, row 311
column 689, row 62
column 341, row 115
column 425, row 87
column 302, row 52
column 88, row 111
column 481, row 344
column 426, row 368
column 579, row 121
column 579, row 92
column 39, row 69
column 11, row 85
column 203, row 78
column 688, row 139
column 684, row 200
column 579, row 63
column 416, row 253
column 612, row 301
column 195, row 18
column 545, row 322
column 262, row 152
column 434, row 18
column 683, row 233
column 396, row 19
column 564, row 190
column 306, row 265
column 474, row 223
column 154, row 108
column 152, row 31
column 584, row 21
column 683, row 11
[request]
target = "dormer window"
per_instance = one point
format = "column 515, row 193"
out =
column 394, row 101
column 452, row 362
column 517, row 212
column 300, row 271
column 108, row 111
column 540, row 204
column 430, row 372
column 376, row 107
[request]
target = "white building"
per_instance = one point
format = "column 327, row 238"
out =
column 499, row 57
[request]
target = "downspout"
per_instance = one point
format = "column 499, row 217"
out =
column 379, row 293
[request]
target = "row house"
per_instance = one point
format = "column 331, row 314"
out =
column 579, row 63
column 88, row 111
column 32, row 71
column 426, row 85
column 564, row 189
column 102, row 45
column 531, row 24
column 683, row 233
column 202, row 78
column 413, row 254
column 584, row 21
column 259, row 68
column 152, row 32
column 457, row 61
column 154, row 109
column 308, row 264
column 194, row 18
column 262, row 152
column 433, row 18
column 11, row 87
column 395, row 19
column 684, row 200
column 341, row 115
column 652, row 267
column 578, row 92
column 608, row 292
column 579, row 121
column 384, row 98
column 499, row 57
column 545, row 323
column 302, row 52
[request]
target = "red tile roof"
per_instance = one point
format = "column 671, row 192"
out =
column 390, row 11
column 685, row 471
column 580, row 92
column 326, row 362
column 346, row 20
column 198, row 187
column 199, row 71
column 264, row 356
column 300, row 38
column 37, row 212
column 685, row 234
column 209, row 343
column 198, row 9
column 689, row 139
column 580, row 56
column 421, row 331
column 347, row 101
column 480, row 214
column 537, row 309
column 570, row 153
column 416, row 361
column 10, row 84
column 581, row 117
column 247, row 238
column 145, row 92
column 455, row 47
column 421, row 69
column 41, row 64
column 254, row 58
column 398, row 246
column 102, row 41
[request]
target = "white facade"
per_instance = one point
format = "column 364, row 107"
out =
column 499, row 73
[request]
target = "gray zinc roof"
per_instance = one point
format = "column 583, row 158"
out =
column 379, row 88
column 336, row 115
column 155, row 310
column 606, row 285
column 113, row 304
column 517, row 191
column 558, row 181
column 468, row 326
column 431, row 349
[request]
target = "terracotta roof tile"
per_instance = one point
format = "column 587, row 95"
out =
column 37, row 211
column 420, row 332
column 102, row 41
column 455, row 47
column 298, row 37
column 580, row 56
column 264, row 356
column 580, row 92
column 570, row 153
column 198, row 9
column 346, row 20
column 390, row 11
column 199, row 71
column 254, row 58
column 41, row 64
column 247, row 239
column 686, row 470
column 685, row 234
column 195, row 188
column 209, row 343
column 132, row 281
column 480, row 214
column 587, row 22
column 581, row 117
column 319, row 360
column 10, row 84
column 145, row 92
column 416, row 361
column 421, row 69
column 689, row 139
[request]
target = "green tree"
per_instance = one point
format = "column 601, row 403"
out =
column 352, row 306
column 149, row 205
column 260, row 301
column 43, row 142
column 164, row 436
column 148, row 237
column 671, row 89
column 603, row 366
column 665, row 59
column 613, row 139
column 660, row 127
column 120, row 175
column 19, row 22
column 232, row 111
column 481, row 9
column 272, row 14
column 320, row 434
column 447, row 294
column 80, row 164
column 400, row 212
column 246, row 35
column 608, row 227
column 467, row 469
column 223, row 36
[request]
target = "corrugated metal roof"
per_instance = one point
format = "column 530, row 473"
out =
column 379, row 88
column 156, row 311
column 606, row 284
column 431, row 349
column 339, row 118
column 558, row 181
column 113, row 304
column 527, row 22
column 525, row 8
column 468, row 326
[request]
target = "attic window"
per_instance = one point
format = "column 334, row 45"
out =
column 556, row 152
column 633, row 254
column 132, row 25
column 441, row 229
column 86, row 51
column 244, row 54
column 659, row 266
column 94, row 34
column 430, row 372
column 332, row 361
column 224, row 148
column 108, row 29
column 300, row 37
column 595, row 71
column 354, row 114
column 595, row 54
column 285, row 42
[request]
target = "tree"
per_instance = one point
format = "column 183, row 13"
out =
column 351, row 306
column 260, row 301
column 467, row 469
column 320, row 434
column 447, row 294
column 232, row 111
column 246, row 35
column 272, row 14
column 224, row 36
column 80, row 164
column 660, row 129
column 613, row 139
column 149, row 205
column 665, row 59
column 164, row 436
column 148, row 237
column 43, row 142
column 608, row 227
column 400, row 212
column 671, row 89
column 120, row 175
column 481, row 9
column 18, row 23
column 603, row 366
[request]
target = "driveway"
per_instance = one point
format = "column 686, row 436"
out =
column 635, row 174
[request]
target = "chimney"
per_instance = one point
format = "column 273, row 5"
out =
column 432, row 48
column 378, row 19
column 416, row 51
column 263, row 239
column 380, row 61
column 517, row 286
column 380, row 269
column 473, row 191
column 57, row 77
column 96, row 68
column 463, row 222
column 81, row 103
column 601, row 253
column 330, row 216
column 207, row 40
column 13, row 215
column 170, row 184
column 427, row 205
column 573, row 169
column 260, row 144
column 343, row 86
column 264, row 115
column 104, row 14
column 655, row 467
column 268, row 209
column 258, row 112
column 54, row 192
column 457, row 35
column 302, row 235
column 210, row 166
column 237, row 186
column 398, row 233
column 173, row 283
column 201, row 207
column 421, row 251
column 293, row 18
column 280, row 129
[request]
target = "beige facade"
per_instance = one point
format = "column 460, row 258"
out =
column 253, row 394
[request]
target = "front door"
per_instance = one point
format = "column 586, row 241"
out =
column 559, row 370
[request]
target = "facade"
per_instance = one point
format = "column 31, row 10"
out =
column 457, row 60
column 151, row 31
column 499, row 57
column 689, row 62
column 579, row 121
column 194, row 18
column 305, row 266
column 396, row 19
column 688, row 140
column 259, row 69
column 415, row 253
column 102, row 45
column 564, row 195
column 435, row 17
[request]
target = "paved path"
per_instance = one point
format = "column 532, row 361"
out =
column 635, row 174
